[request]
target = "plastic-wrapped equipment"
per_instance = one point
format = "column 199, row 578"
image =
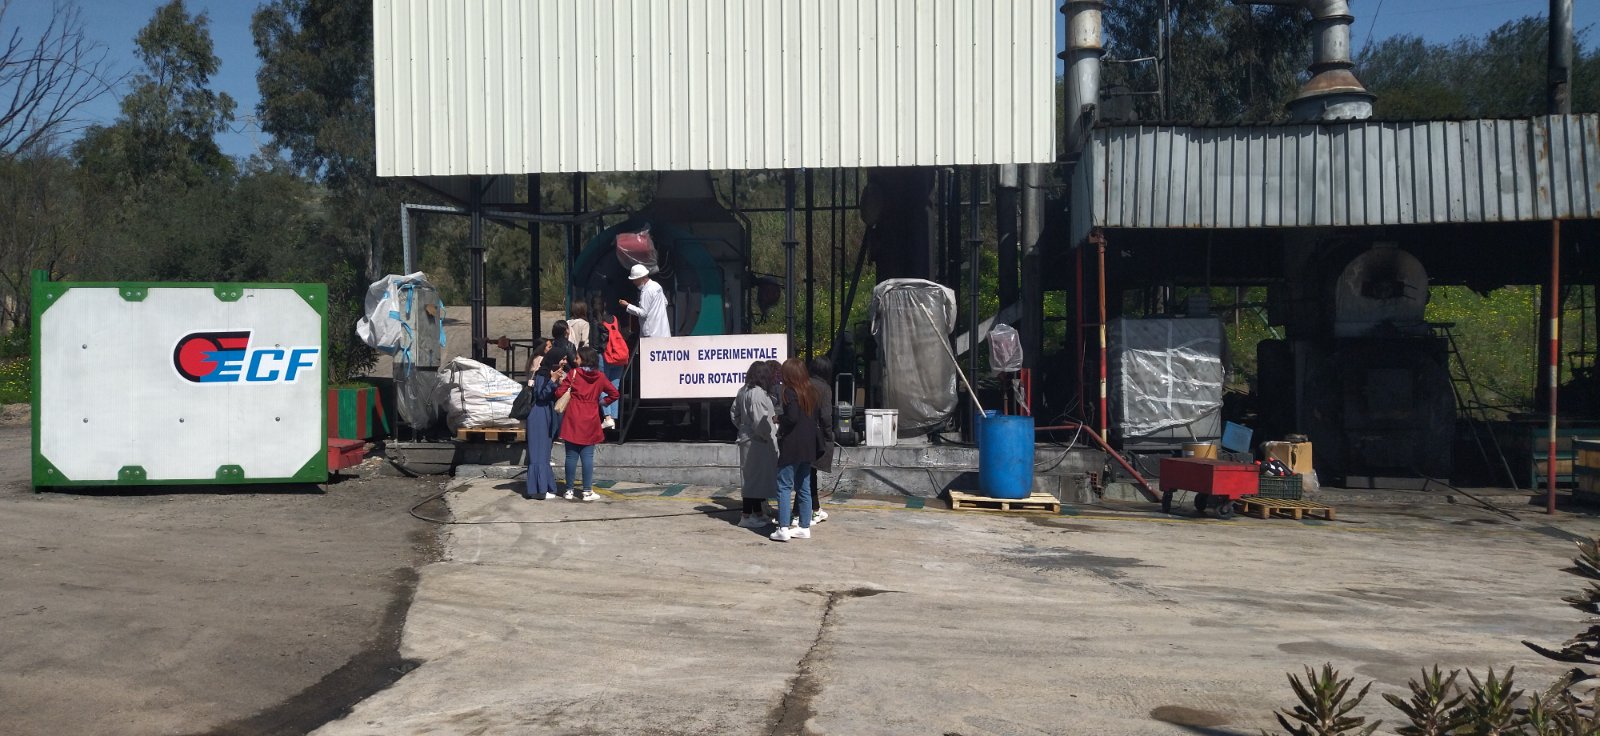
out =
column 1005, row 349
column 1166, row 377
column 910, row 319
column 476, row 395
column 637, row 248
column 405, row 318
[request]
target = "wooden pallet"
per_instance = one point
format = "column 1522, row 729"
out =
column 492, row 434
column 1266, row 508
column 1036, row 502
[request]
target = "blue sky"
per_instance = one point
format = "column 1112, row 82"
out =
column 114, row 23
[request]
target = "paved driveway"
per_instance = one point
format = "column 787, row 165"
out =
column 640, row 615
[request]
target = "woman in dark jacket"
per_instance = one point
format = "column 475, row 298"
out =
column 541, row 423
column 799, row 445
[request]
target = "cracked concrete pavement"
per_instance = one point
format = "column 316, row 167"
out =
column 640, row 614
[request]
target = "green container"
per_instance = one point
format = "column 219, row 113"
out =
column 1272, row 486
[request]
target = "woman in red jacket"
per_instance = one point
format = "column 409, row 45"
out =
column 580, row 425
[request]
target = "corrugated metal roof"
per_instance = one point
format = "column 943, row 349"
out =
column 475, row 87
column 1339, row 174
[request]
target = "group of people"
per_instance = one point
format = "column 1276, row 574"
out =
column 575, row 387
column 784, row 415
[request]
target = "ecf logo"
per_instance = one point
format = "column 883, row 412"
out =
column 226, row 357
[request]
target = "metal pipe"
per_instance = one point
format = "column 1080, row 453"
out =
column 1553, row 365
column 1560, row 62
column 1032, row 331
column 1081, row 322
column 789, row 244
column 1085, row 46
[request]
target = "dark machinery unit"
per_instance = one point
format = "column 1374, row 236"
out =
column 1361, row 372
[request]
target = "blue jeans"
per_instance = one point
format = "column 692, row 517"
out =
column 587, row 453
column 613, row 374
column 786, row 501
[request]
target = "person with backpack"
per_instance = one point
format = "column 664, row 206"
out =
column 580, row 424
column 799, row 445
column 613, row 360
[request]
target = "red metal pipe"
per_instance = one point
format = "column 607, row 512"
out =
column 1082, row 344
column 1553, row 364
column 1143, row 485
column 1099, row 239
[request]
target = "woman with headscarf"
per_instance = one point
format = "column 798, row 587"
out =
column 541, row 423
column 755, row 418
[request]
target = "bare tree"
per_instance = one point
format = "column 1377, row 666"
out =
column 45, row 80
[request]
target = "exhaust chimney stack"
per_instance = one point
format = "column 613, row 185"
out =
column 1084, row 49
column 1560, row 82
column 1333, row 92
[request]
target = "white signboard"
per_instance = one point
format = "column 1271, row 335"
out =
column 178, row 383
column 703, row 366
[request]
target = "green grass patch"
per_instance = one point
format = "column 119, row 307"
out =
column 16, row 386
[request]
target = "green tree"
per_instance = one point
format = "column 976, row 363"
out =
column 1226, row 62
column 1499, row 74
column 170, row 118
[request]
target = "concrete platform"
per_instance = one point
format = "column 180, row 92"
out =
column 925, row 471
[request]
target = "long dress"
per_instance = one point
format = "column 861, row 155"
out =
column 754, row 416
column 541, row 432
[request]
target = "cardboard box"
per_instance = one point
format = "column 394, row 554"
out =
column 1296, row 455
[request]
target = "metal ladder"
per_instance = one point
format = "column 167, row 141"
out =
column 1471, row 406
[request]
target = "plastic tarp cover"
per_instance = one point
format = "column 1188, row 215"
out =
column 1165, row 373
column 476, row 395
column 912, row 320
column 1005, row 349
column 404, row 317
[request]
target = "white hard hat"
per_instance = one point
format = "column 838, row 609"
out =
column 638, row 272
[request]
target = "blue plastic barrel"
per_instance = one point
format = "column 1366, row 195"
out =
column 1005, row 457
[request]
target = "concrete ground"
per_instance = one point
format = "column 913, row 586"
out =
column 642, row 614
column 251, row 610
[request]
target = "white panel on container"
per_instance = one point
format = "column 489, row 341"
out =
column 180, row 384
column 510, row 87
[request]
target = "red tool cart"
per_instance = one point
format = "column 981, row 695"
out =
column 1216, row 483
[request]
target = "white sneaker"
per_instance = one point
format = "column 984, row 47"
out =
column 608, row 423
column 781, row 535
column 589, row 496
column 570, row 496
column 800, row 532
column 752, row 521
column 818, row 516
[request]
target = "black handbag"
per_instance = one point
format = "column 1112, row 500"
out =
column 523, row 405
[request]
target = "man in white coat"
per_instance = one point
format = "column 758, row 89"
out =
column 652, row 307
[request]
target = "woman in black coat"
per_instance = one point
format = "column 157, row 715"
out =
column 799, row 445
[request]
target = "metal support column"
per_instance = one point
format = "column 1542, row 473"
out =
column 475, row 264
column 1098, row 239
column 1005, row 210
column 1560, row 59
column 789, row 245
column 579, row 191
column 1032, row 328
column 535, row 231
column 974, row 269
column 811, row 206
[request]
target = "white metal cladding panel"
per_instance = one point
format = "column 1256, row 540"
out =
column 1367, row 173
column 479, row 87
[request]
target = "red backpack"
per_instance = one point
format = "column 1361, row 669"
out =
column 616, row 352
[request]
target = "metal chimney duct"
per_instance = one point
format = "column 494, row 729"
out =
column 1333, row 92
column 1560, row 57
column 1084, row 49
